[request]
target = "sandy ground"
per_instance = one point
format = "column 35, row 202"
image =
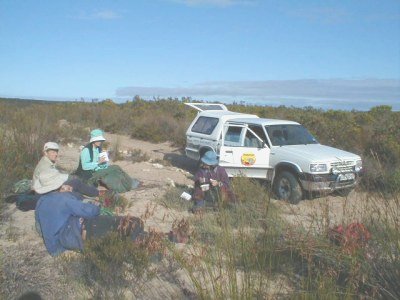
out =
column 166, row 166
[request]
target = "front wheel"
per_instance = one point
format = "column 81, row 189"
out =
column 286, row 187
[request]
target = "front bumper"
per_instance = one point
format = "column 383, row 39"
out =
column 326, row 182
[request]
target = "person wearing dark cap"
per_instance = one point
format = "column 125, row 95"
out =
column 211, row 183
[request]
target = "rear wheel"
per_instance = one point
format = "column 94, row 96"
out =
column 287, row 187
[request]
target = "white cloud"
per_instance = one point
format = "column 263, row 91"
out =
column 307, row 92
column 106, row 15
column 221, row 3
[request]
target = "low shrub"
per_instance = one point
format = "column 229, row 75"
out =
column 242, row 251
column 235, row 254
column 27, row 267
column 111, row 266
column 137, row 155
column 172, row 198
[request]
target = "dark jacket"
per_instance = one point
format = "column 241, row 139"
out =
column 217, row 173
column 58, row 217
column 203, row 176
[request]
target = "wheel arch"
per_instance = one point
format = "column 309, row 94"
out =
column 287, row 166
column 204, row 150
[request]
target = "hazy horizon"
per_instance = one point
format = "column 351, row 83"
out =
column 273, row 102
column 332, row 55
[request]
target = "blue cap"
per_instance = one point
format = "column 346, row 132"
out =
column 210, row 158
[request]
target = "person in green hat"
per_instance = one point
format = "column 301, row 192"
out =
column 91, row 159
column 94, row 168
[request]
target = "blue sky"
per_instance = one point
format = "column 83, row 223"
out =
column 327, row 54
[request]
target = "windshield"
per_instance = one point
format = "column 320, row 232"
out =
column 289, row 135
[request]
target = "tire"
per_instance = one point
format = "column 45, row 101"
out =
column 287, row 187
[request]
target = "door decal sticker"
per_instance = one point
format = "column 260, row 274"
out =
column 248, row 159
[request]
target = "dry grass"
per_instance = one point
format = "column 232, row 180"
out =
column 27, row 268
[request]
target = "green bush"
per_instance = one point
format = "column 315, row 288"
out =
column 242, row 251
column 236, row 254
column 172, row 199
column 110, row 266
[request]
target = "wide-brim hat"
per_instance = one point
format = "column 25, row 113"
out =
column 96, row 135
column 97, row 139
column 51, row 181
column 210, row 158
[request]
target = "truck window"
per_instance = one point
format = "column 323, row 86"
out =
column 250, row 140
column 260, row 132
column 232, row 136
column 289, row 135
column 205, row 125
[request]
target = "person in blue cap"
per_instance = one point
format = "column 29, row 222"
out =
column 211, row 183
column 90, row 159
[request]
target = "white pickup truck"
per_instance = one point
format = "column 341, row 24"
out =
column 282, row 152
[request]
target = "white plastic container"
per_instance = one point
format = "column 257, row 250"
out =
column 186, row 196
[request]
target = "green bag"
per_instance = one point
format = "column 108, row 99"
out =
column 22, row 186
column 114, row 178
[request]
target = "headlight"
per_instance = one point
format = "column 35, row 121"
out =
column 335, row 171
column 318, row 168
column 358, row 166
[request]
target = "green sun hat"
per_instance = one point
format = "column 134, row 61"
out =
column 96, row 135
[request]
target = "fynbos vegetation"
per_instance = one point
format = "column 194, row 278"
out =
column 24, row 125
column 256, row 248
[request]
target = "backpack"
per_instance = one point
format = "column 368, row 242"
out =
column 22, row 186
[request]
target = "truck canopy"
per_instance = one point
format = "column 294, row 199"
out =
column 207, row 106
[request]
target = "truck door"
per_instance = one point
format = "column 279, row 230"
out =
column 243, row 152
